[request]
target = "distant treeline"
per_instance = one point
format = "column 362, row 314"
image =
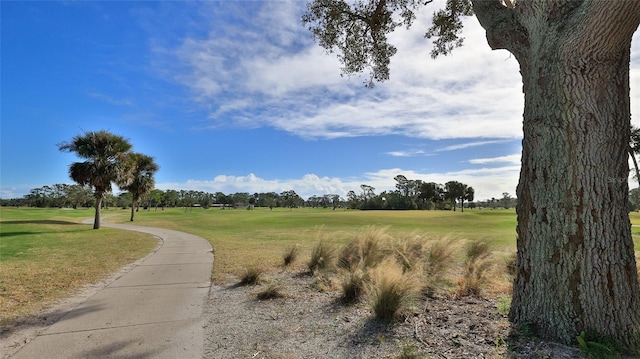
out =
column 408, row 195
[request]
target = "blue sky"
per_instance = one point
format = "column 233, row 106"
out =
column 234, row 96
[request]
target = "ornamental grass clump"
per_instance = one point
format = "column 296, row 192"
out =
column 323, row 256
column 272, row 291
column 366, row 250
column 290, row 255
column 437, row 260
column 477, row 265
column 354, row 285
column 410, row 251
column 392, row 291
column 251, row 276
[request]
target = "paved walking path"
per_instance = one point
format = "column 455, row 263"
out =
column 153, row 311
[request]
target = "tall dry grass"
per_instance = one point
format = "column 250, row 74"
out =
column 439, row 257
column 392, row 290
column 290, row 255
column 366, row 250
column 477, row 265
column 251, row 275
column 409, row 251
column 323, row 256
column 354, row 284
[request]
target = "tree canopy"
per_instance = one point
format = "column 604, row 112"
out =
column 573, row 190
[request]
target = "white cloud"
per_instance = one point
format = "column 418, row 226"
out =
column 487, row 182
column 267, row 71
column 272, row 74
column 501, row 159
column 462, row 146
column 407, row 153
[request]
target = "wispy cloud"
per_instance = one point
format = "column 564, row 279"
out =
column 110, row 99
column 462, row 146
column 270, row 73
column 501, row 159
column 407, row 153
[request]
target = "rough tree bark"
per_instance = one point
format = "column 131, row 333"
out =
column 576, row 265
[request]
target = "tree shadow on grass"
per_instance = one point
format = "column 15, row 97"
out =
column 36, row 222
column 39, row 221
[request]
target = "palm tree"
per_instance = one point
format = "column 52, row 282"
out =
column 634, row 147
column 142, row 181
column 106, row 163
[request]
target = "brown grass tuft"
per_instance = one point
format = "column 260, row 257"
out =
column 354, row 284
column 365, row 250
column 392, row 290
column 290, row 255
column 251, row 276
column 322, row 256
column 272, row 291
column 410, row 251
column 438, row 258
column 477, row 264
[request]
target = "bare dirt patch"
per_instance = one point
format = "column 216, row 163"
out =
column 312, row 322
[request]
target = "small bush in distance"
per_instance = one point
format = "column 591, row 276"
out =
column 392, row 290
column 290, row 255
column 322, row 256
column 366, row 249
column 251, row 276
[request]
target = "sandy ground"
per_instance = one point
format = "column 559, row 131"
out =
column 309, row 322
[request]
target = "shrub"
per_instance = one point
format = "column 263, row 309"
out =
column 392, row 291
column 290, row 255
column 476, row 268
column 272, row 291
column 251, row 276
column 322, row 256
column 366, row 249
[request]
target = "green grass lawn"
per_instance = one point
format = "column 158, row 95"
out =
column 53, row 243
column 46, row 254
column 243, row 238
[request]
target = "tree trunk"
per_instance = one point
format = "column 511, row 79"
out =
column 576, row 264
column 635, row 165
column 133, row 205
column 96, row 219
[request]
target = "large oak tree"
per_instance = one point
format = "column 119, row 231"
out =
column 576, row 265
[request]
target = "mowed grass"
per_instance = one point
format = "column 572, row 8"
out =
column 46, row 255
column 260, row 237
column 242, row 239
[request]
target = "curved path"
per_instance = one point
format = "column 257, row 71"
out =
column 153, row 311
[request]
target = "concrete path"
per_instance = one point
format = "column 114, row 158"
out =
column 153, row 311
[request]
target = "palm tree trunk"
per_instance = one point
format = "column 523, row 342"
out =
column 635, row 165
column 96, row 219
column 133, row 206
